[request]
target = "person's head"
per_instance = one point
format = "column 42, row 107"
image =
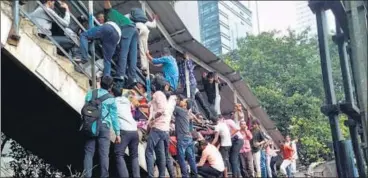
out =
column 243, row 125
column 211, row 77
column 116, row 91
column 237, row 107
column 203, row 144
column 48, row 3
column 255, row 124
column 107, row 82
column 287, row 137
column 100, row 18
column 215, row 119
column 166, row 52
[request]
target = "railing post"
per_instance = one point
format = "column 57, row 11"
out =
column 91, row 25
column 236, row 117
column 148, row 79
column 14, row 32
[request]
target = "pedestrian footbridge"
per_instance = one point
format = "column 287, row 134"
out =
column 42, row 94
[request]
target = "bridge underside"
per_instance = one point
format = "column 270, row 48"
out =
column 36, row 117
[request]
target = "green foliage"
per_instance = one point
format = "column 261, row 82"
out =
column 284, row 72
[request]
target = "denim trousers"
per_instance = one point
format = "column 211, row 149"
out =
column 109, row 38
column 130, row 139
column 103, row 141
column 185, row 148
column 234, row 156
column 128, row 48
column 158, row 144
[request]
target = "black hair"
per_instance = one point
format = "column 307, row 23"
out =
column 211, row 74
column 107, row 82
column 203, row 143
column 116, row 91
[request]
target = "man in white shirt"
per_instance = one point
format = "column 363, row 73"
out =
column 222, row 131
column 214, row 159
column 129, row 135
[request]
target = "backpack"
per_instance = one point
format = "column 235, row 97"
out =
column 137, row 15
column 92, row 114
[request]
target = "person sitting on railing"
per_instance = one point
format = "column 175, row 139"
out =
column 169, row 67
column 45, row 21
column 109, row 34
column 128, row 45
column 212, row 87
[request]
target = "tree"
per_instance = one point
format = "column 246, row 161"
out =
column 284, row 73
column 26, row 164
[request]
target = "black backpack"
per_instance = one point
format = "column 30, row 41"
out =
column 137, row 15
column 92, row 114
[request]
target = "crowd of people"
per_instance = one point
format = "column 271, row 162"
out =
column 182, row 127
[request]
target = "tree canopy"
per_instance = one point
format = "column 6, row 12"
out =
column 284, row 72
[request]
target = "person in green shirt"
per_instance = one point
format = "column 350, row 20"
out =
column 128, row 45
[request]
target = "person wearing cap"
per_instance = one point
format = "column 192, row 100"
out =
column 222, row 131
column 257, row 144
column 211, row 155
column 169, row 67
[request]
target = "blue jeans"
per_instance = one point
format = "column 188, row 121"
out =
column 234, row 156
column 109, row 38
column 185, row 148
column 130, row 139
column 128, row 45
column 103, row 141
column 158, row 143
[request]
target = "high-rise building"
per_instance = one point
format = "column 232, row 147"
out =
column 219, row 24
column 222, row 23
column 306, row 18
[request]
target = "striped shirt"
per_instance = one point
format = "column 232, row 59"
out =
column 169, row 68
column 190, row 66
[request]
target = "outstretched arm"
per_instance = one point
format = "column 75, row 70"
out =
column 107, row 4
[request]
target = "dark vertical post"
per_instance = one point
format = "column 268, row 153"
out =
column 339, row 39
column 91, row 25
column 330, row 109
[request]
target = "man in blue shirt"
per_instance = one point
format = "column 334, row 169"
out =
column 109, row 113
column 169, row 67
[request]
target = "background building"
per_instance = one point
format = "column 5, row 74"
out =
column 219, row 24
column 306, row 18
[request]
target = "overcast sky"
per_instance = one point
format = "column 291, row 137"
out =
column 275, row 15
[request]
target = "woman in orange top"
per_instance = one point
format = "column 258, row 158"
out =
column 287, row 152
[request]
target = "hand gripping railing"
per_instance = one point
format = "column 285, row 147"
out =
column 52, row 40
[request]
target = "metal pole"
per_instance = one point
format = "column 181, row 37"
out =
column 357, row 23
column 330, row 108
column 339, row 39
column 236, row 117
column 91, row 25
